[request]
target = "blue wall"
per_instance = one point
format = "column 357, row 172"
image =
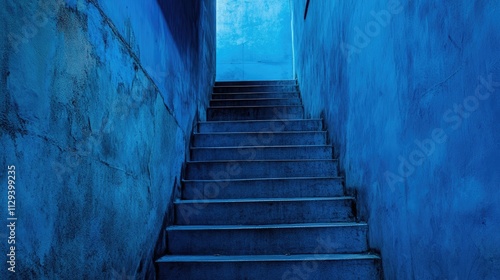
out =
column 97, row 103
column 410, row 92
column 254, row 40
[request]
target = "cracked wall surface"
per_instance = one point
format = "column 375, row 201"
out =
column 410, row 92
column 97, row 102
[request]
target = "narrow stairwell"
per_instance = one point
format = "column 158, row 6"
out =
column 261, row 196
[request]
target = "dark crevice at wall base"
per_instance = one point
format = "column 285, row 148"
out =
column 161, row 246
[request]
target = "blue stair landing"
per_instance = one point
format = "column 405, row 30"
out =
column 261, row 195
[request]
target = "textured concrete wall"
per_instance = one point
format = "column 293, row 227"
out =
column 410, row 92
column 254, row 40
column 97, row 100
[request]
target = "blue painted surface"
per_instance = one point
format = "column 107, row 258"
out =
column 254, row 40
column 97, row 102
column 411, row 94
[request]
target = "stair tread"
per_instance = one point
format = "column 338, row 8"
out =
column 256, row 93
column 251, row 200
column 266, row 179
column 261, row 121
column 248, row 86
column 263, row 146
column 253, row 81
column 260, row 132
column 267, row 258
column 260, row 147
column 270, row 226
column 254, row 99
column 272, row 124
column 252, row 106
column 263, row 160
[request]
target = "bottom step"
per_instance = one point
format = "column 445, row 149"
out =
column 318, row 266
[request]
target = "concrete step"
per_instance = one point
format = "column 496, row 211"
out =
column 254, row 113
column 268, row 239
column 254, row 95
column 214, row 170
column 257, row 126
column 265, row 211
column 256, row 83
column 249, row 139
column 226, row 188
column 255, row 88
column 255, row 102
column 297, row 267
column 261, row 152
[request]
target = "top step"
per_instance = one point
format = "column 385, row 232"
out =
column 253, row 83
column 255, row 88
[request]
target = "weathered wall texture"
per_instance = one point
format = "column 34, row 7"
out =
column 254, row 40
column 97, row 100
column 410, row 92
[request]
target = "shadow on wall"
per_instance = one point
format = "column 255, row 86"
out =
column 182, row 18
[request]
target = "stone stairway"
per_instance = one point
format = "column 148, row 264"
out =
column 261, row 196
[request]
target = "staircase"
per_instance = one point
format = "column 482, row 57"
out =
column 262, row 198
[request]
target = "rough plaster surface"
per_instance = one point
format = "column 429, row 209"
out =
column 388, row 77
column 254, row 40
column 96, row 107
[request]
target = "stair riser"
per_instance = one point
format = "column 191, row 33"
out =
column 262, row 213
column 278, row 241
column 257, row 126
column 263, row 189
column 265, row 88
column 255, row 95
column 256, row 102
column 255, row 113
column 258, row 169
column 257, row 83
column 258, row 153
column 284, row 270
column 258, row 139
